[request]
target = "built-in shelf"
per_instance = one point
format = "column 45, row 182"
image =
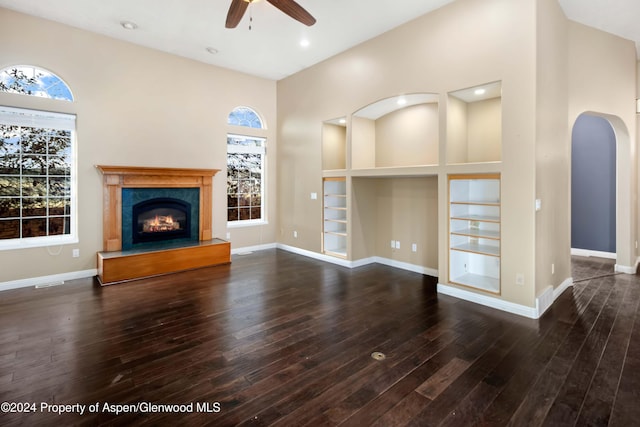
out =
column 474, row 124
column 396, row 132
column 334, row 144
column 335, row 220
column 474, row 231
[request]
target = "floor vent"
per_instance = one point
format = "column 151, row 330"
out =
column 378, row 356
column 49, row 285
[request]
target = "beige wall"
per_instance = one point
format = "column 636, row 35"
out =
column 484, row 130
column 457, row 149
column 552, row 149
column 363, row 143
column 408, row 137
column 334, row 146
column 430, row 54
column 602, row 80
column 129, row 103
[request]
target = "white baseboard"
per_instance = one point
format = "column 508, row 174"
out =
column 248, row 249
column 406, row 266
column 543, row 301
column 550, row 294
column 488, row 301
column 626, row 269
column 361, row 262
column 590, row 253
column 55, row 279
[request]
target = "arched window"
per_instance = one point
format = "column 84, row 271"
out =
column 34, row 81
column 245, row 170
column 37, row 164
column 245, row 116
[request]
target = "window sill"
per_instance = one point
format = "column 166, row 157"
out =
column 246, row 223
column 36, row 242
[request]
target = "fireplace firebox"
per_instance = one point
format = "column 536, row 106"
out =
column 160, row 219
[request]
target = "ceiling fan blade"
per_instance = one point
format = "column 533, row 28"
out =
column 294, row 10
column 236, row 12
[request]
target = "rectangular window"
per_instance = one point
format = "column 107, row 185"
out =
column 245, row 179
column 37, row 178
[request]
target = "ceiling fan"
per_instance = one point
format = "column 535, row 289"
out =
column 290, row 7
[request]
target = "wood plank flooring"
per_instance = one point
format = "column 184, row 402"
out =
column 280, row 339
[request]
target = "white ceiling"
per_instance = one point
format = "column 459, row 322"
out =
column 271, row 49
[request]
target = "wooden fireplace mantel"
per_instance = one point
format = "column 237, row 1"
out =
column 115, row 178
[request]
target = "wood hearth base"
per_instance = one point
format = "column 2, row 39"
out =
column 123, row 266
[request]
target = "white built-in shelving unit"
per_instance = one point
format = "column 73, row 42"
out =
column 474, row 231
column 335, row 216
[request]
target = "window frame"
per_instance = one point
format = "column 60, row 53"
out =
column 262, row 150
column 46, row 120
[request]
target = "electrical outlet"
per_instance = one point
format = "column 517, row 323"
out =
column 414, row 247
column 75, row 253
column 520, row 279
column 553, row 268
column 314, row 196
column 295, row 234
column 393, row 244
column 397, row 244
column 228, row 235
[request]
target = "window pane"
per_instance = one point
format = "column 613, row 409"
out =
column 244, row 200
column 59, row 206
column 35, row 176
column 256, row 213
column 34, row 227
column 10, row 229
column 34, row 165
column 58, row 226
column 9, row 186
column 244, row 116
column 34, row 140
column 10, row 208
column 34, row 207
column 59, row 166
column 34, row 186
column 244, row 180
column 9, row 140
column 10, row 165
column 244, row 214
column 33, row 81
column 59, row 187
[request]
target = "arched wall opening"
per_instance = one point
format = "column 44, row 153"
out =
column 593, row 187
column 624, row 239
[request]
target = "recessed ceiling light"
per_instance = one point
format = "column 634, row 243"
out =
column 128, row 25
column 212, row 50
column 305, row 43
column 402, row 101
column 343, row 121
column 480, row 91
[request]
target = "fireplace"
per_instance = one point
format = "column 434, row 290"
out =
column 155, row 217
column 160, row 219
column 167, row 202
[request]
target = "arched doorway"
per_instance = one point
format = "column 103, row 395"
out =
column 593, row 187
column 621, row 198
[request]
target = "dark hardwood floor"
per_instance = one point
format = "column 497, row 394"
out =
column 280, row 339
